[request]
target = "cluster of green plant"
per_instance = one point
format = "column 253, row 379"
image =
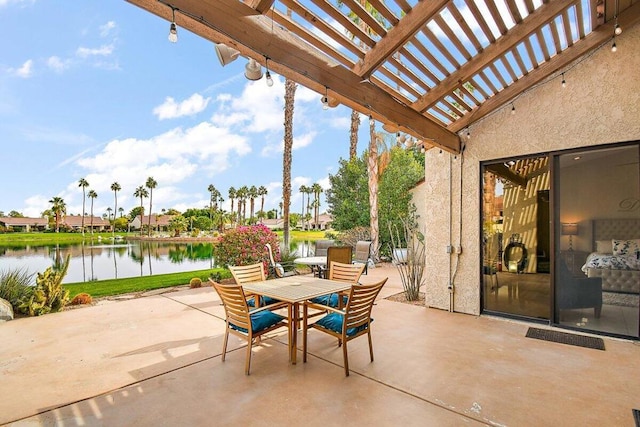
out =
column 348, row 196
column 195, row 282
column 244, row 245
column 15, row 286
column 49, row 294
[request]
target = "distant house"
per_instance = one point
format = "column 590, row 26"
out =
column 74, row 222
column 274, row 224
column 324, row 223
column 158, row 222
column 24, row 224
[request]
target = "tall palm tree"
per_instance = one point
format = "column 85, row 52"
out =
column 303, row 191
column 115, row 187
column 316, row 202
column 252, row 194
column 240, row 195
column 372, row 169
column 353, row 134
column 232, row 196
column 92, row 195
column 289, row 97
column 84, row 184
column 150, row 184
column 109, row 213
column 121, row 210
column 212, row 192
column 142, row 193
column 59, row 207
column 308, row 214
column 262, row 191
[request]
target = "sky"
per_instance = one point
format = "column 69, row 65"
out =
column 93, row 89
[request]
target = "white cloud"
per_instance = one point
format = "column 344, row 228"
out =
column 4, row 3
column 25, row 71
column 57, row 64
column 105, row 29
column 104, row 50
column 170, row 109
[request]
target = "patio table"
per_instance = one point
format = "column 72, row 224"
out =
column 311, row 260
column 293, row 290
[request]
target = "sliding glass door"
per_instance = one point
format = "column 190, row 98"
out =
column 597, row 230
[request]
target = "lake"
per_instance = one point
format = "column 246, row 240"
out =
column 108, row 260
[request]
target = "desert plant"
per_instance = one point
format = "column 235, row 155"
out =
column 244, row 245
column 411, row 268
column 196, row 282
column 49, row 294
column 15, row 285
column 82, row 298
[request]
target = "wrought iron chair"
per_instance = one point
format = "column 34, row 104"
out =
column 245, row 323
column 348, row 324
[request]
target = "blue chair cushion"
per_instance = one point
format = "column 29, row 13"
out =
column 260, row 321
column 330, row 300
column 264, row 301
column 333, row 322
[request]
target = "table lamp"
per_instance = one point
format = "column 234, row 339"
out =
column 570, row 229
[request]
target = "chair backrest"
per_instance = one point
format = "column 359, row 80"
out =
column 346, row 272
column 341, row 254
column 322, row 246
column 361, row 299
column 235, row 305
column 248, row 273
column 363, row 250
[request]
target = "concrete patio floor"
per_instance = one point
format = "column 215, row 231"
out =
column 156, row 361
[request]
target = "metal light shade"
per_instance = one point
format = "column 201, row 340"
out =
column 226, row 54
column 253, row 70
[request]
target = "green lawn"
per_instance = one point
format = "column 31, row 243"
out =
column 102, row 288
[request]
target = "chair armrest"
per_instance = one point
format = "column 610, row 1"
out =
column 322, row 307
column 275, row 306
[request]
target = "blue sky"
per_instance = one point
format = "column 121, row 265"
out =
column 93, row 89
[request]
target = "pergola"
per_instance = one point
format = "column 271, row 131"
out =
column 427, row 68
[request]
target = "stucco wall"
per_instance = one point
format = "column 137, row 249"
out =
column 600, row 105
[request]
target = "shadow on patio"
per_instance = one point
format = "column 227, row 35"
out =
column 156, row 361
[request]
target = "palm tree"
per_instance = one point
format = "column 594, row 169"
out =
column 241, row 195
column 59, row 207
column 353, row 134
column 109, row 213
column 212, row 192
column 92, row 195
column 115, row 187
column 303, row 191
column 289, row 97
column 316, row 202
column 232, row 195
column 262, row 191
column 308, row 215
column 142, row 193
column 373, row 188
column 252, row 194
column 121, row 210
column 150, row 184
column 84, row 184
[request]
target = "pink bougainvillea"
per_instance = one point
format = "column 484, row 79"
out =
column 244, row 245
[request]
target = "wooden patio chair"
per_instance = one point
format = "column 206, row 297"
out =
column 362, row 253
column 348, row 324
column 343, row 254
column 342, row 272
column 251, row 273
column 245, row 323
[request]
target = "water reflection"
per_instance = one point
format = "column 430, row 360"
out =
column 97, row 261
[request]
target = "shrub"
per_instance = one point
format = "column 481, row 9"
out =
column 196, row 282
column 352, row 236
column 15, row 285
column 82, row 298
column 244, row 245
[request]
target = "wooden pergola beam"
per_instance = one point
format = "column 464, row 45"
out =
column 600, row 35
column 245, row 29
column 398, row 36
column 544, row 14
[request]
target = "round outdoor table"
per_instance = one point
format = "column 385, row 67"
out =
column 311, row 260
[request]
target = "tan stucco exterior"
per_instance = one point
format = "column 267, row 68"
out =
column 600, row 105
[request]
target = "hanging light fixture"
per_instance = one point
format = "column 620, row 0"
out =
column 268, row 74
column 173, row 30
column 225, row 53
column 253, row 70
column 564, row 82
column 325, row 99
column 614, row 48
column 513, row 108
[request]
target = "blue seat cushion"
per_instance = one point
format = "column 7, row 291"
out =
column 333, row 322
column 264, row 301
column 260, row 321
column 330, row 300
